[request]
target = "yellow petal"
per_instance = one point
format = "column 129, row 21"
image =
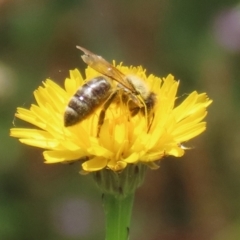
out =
column 63, row 156
column 94, row 164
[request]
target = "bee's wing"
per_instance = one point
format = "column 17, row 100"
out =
column 102, row 66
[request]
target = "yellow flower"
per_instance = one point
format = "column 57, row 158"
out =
column 123, row 139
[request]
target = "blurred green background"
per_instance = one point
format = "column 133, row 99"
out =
column 195, row 197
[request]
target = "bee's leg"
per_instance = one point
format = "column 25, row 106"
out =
column 150, row 121
column 149, row 116
column 103, row 111
column 134, row 111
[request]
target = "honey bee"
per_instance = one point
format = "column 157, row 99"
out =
column 101, row 91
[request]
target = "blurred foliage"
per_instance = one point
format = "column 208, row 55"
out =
column 196, row 197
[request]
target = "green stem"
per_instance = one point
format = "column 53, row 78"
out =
column 118, row 211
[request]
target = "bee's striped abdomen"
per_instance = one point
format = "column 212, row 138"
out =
column 87, row 98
